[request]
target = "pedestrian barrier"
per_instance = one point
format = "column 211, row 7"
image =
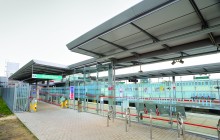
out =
column 110, row 114
column 127, row 119
column 180, row 126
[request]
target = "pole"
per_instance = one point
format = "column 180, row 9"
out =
column 151, row 137
column 126, row 121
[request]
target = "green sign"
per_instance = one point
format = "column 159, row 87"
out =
column 201, row 77
column 44, row 76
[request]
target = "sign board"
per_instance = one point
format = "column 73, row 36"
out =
column 71, row 92
column 44, row 76
column 201, row 77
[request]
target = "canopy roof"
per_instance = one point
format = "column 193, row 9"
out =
column 154, row 31
column 181, row 71
column 39, row 67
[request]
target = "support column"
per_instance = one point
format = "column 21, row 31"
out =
column 47, row 96
column 97, row 89
column 110, row 85
column 174, row 87
column 138, row 101
column 84, row 84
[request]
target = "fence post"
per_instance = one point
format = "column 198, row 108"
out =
column 151, row 137
column 15, row 99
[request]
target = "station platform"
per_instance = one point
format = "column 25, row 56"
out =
column 52, row 122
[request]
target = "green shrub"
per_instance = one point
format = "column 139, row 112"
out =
column 4, row 110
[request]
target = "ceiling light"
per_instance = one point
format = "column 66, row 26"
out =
column 181, row 61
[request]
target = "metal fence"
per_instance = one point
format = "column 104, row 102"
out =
column 17, row 97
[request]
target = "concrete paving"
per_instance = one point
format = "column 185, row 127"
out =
column 53, row 123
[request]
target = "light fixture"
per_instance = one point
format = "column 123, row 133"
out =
column 180, row 60
column 140, row 71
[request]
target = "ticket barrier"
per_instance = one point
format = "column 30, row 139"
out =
column 180, row 126
column 127, row 119
column 33, row 105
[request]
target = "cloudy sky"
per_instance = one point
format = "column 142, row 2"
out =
column 40, row 29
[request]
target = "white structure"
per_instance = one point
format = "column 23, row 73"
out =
column 11, row 68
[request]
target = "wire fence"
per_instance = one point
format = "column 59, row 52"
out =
column 16, row 97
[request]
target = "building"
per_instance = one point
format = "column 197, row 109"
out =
column 11, row 68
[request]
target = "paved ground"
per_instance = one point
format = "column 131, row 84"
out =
column 195, row 118
column 53, row 123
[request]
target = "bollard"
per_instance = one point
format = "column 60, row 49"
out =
column 218, row 129
column 180, row 126
column 112, row 113
column 151, row 137
column 127, row 119
column 108, row 117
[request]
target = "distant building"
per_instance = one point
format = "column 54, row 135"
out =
column 11, row 68
column 3, row 81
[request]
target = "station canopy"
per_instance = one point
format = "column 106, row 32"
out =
column 153, row 31
column 39, row 67
column 181, row 71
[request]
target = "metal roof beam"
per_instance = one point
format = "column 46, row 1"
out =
column 179, row 37
column 113, row 44
column 179, row 48
column 150, row 35
column 204, row 23
column 97, row 54
column 157, row 58
column 174, row 72
column 184, row 53
column 205, row 69
column 189, row 71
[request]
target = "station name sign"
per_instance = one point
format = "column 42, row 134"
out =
column 201, row 77
column 44, row 76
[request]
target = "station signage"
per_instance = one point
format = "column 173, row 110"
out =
column 200, row 77
column 44, row 76
column 71, row 92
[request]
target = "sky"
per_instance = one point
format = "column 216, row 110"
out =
column 40, row 29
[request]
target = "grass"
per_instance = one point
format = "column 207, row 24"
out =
column 4, row 110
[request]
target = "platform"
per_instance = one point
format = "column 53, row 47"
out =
column 52, row 122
